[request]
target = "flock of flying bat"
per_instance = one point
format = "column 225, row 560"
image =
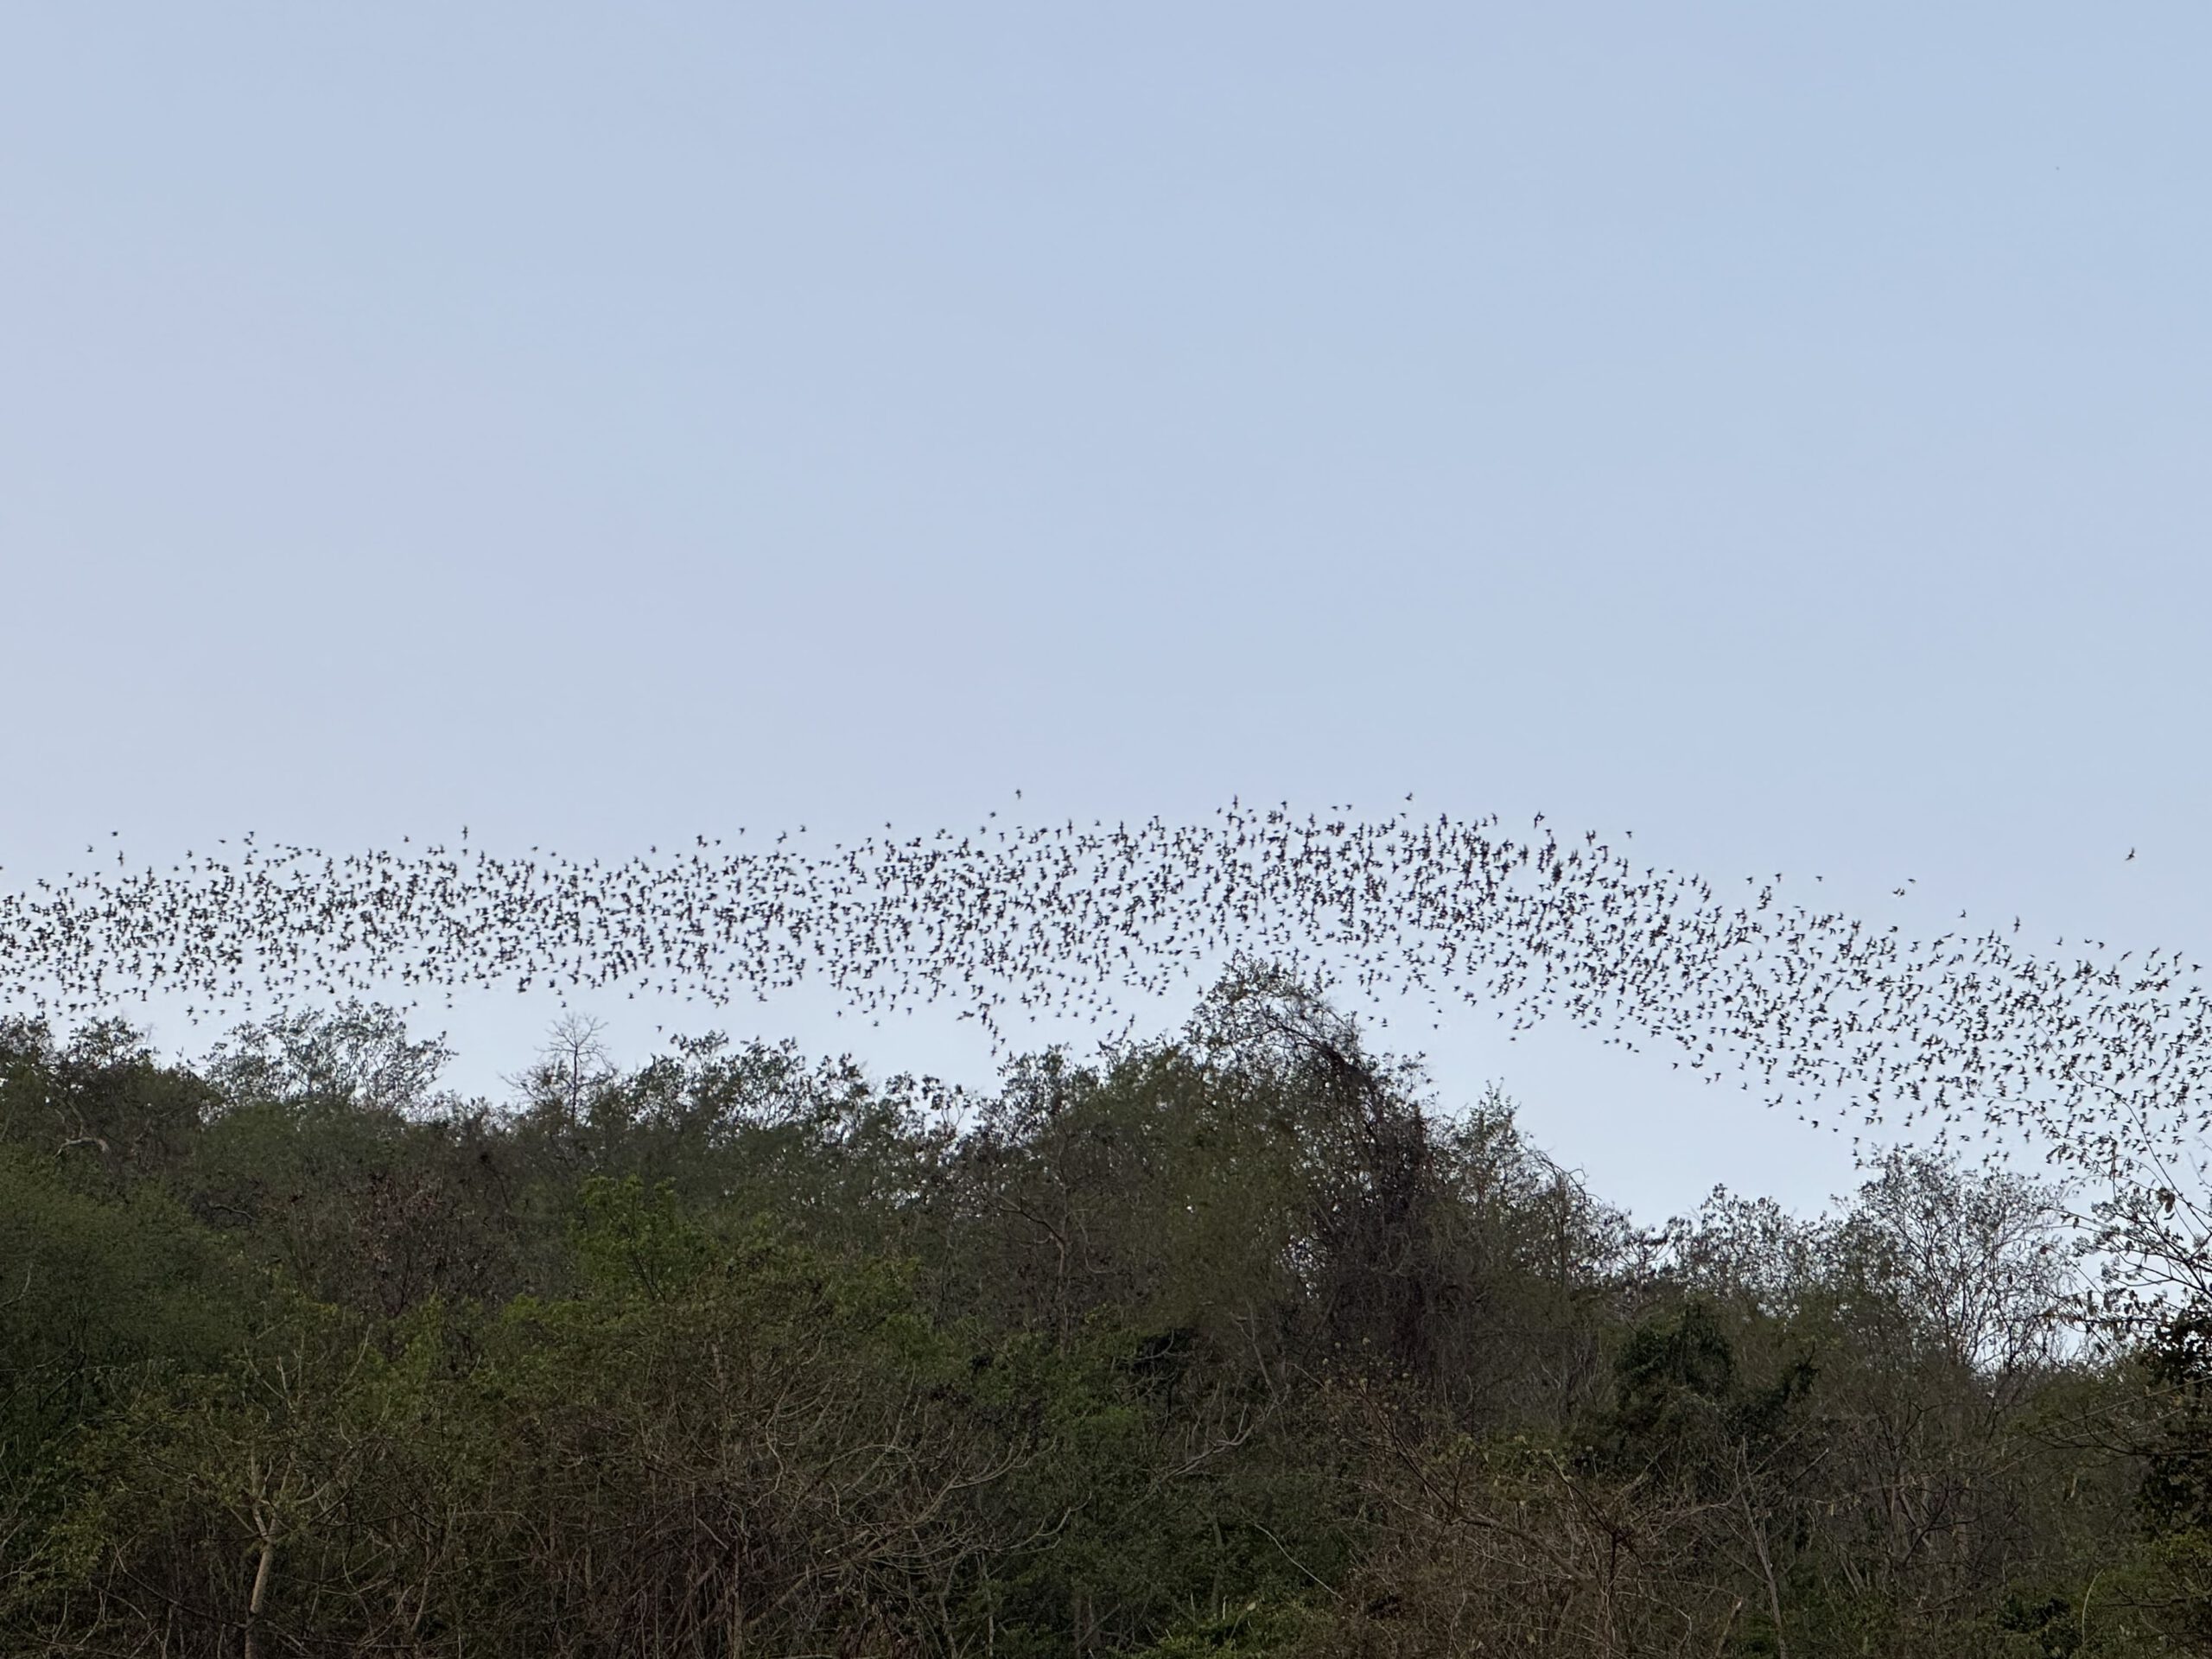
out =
column 2101, row 1060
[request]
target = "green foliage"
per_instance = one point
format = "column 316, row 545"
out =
column 1230, row 1343
column 2177, row 1494
column 1254, row 1627
column 104, row 1295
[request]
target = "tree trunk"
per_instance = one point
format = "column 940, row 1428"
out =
column 259, row 1595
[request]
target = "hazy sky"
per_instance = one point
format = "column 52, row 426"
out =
column 1786, row 431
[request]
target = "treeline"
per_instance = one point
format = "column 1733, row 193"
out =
column 1231, row 1342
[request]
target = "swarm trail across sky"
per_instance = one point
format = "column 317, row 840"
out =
column 2101, row 1059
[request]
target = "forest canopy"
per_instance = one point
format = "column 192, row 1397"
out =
column 1235, row 1340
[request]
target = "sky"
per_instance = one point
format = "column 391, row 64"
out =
column 1782, row 431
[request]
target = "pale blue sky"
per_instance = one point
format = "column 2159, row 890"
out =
column 1784, row 430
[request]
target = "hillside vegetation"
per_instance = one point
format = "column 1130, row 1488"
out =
column 1235, row 1342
